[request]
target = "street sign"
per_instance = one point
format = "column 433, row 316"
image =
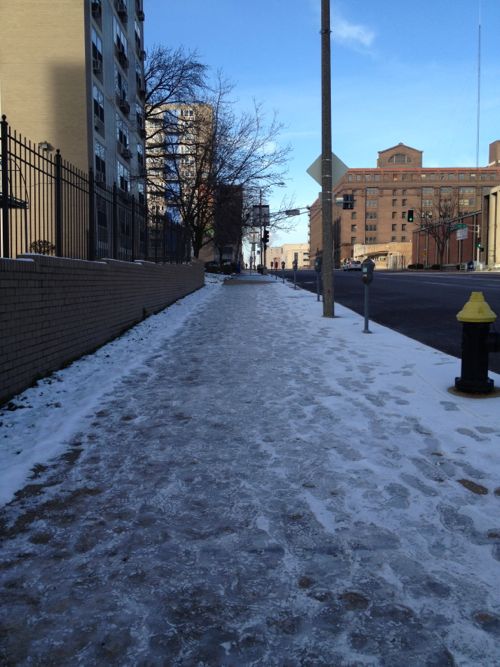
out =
column 338, row 170
column 462, row 232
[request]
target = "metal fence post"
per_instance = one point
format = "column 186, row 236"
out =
column 4, row 165
column 91, row 234
column 133, row 228
column 58, row 203
column 115, row 222
column 164, row 235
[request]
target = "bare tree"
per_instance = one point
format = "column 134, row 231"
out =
column 439, row 222
column 208, row 146
column 171, row 76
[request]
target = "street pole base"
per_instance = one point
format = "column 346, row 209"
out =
column 474, row 386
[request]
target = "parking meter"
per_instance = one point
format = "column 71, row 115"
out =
column 367, row 268
column 294, row 267
column 283, row 265
column 317, row 268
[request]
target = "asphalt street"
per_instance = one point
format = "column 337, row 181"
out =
column 420, row 305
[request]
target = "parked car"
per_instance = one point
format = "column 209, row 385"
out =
column 351, row 265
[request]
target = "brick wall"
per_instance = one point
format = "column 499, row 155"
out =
column 54, row 310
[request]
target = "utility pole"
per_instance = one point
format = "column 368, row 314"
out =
column 326, row 161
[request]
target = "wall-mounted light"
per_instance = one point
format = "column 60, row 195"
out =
column 45, row 146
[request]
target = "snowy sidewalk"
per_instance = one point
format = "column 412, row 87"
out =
column 239, row 481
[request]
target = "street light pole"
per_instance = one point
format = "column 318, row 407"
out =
column 326, row 161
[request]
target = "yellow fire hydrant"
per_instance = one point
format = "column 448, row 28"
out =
column 477, row 341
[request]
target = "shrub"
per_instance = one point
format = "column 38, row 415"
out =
column 436, row 267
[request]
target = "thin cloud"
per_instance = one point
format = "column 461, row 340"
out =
column 351, row 33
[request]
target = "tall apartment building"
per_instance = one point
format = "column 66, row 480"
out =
column 178, row 154
column 379, row 198
column 72, row 78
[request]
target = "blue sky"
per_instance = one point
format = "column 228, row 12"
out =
column 401, row 71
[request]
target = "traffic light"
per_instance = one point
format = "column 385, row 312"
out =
column 348, row 202
column 409, row 215
column 265, row 238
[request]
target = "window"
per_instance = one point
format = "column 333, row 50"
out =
column 140, row 155
column 446, row 190
column 467, row 191
column 353, row 240
column 403, row 215
column 98, row 105
column 96, row 54
column 358, row 177
column 428, row 191
column 100, row 162
column 139, row 117
column 137, row 33
column 372, row 191
column 371, row 228
column 403, row 227
column 403, row 238
column 400, row 158
column 377, row 177
column 393, row 228
column 394, row 215
column 140, row 193
column 466, row 203
column 353, row 228
column 371, row 203
column 123, row 176
column 403, row 202
column 427, row 203
column 122, row 135
column 393, row 239
column 121, row 85
column 353, row 215
column 394, row 203
column 371, row 215
column 371, row 239
column 120, row 39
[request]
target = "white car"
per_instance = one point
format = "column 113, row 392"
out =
column 351, row 265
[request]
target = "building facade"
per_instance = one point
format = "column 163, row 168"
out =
column 376, row 210
column 288, row 253
column 72, row 78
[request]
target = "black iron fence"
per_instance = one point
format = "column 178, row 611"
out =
column 49, row 206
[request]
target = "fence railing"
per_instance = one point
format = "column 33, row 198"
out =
column 48, row 206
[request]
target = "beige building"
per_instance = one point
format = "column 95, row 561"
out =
column 72, row 78
column 376, row 210
column 288, row 252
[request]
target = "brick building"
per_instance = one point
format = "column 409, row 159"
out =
column 377, row 223
column 288, row 252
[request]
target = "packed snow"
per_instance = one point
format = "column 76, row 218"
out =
column 240, row 481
